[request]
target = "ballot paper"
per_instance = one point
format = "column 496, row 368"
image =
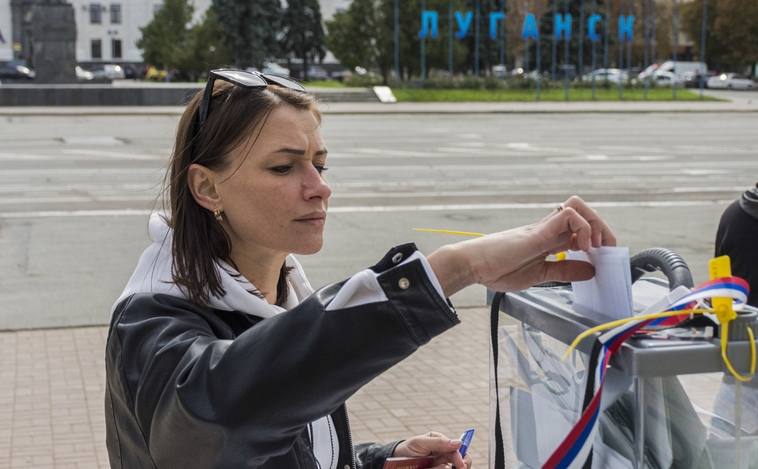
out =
column 609, row 292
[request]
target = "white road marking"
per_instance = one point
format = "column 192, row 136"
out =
column 524, row 206
column 76, row 199
column 503, row 193
column 48, row 172
column 25, row 157
column 367, row 209
column 114, row 154
column 76, row 213
column 99, row 140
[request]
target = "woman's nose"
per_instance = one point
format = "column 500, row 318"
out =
column 315, row 185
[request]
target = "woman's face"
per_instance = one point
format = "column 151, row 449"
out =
column 274, row 194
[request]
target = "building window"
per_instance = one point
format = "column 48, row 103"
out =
column 116, row 48
column 96, row 47
column 115, row 13
column 94, row 13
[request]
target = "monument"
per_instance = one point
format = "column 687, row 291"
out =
column 54, row 42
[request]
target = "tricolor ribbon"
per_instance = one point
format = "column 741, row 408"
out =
column 575, row 449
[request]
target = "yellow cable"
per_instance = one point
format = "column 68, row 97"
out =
column 724, row 340
column 612, row 324
column 752, row 350
column 462, row 233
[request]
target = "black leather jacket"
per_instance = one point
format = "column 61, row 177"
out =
column 191, row 387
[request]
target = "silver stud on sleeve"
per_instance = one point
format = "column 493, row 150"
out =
column 397, row 258
column 403, row 283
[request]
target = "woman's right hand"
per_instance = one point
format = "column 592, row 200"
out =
column 517, row 259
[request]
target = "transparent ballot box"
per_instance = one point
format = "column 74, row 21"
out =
column 668, row 400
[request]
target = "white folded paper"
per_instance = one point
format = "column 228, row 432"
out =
column 609, row 292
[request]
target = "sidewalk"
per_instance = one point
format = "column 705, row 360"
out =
column 738, row 102
column 52, row 388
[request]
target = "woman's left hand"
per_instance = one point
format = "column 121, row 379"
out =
column 517, row 259
column 444, row 450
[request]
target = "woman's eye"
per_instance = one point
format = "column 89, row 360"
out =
column 321, row 168
column 281, row 169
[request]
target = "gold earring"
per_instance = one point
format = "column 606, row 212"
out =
column 217, row 213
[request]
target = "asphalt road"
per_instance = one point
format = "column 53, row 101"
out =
column 75, row 191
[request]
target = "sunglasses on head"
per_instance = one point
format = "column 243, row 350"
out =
column 241, row 78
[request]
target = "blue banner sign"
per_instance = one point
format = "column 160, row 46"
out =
column 562, row 25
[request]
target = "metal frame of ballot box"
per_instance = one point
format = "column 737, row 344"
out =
column 549, row 310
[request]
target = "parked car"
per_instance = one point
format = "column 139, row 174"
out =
column 614, row 75
column 155, row 74
column 110, row 71
column 692, row 79
column 732, row 81
column 130, row 72
column 275, row 69
column 16, row 70
column 648, row 72
column 566, row 69
column 83, row 75
column 499, row 71
column 317, row 73
column 272, row 68
column 662, row 78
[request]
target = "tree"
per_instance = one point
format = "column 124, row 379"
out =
column 166, row 34
column 206, row 48
column 359, row 37
column 731, row 41
column 302, row 33
column 364, row 35
column 251, row 28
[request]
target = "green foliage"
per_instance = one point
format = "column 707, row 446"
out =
column 551, row 94
column 166, row 34
column 364, row 81
column 363, row 36
column 731, row 38
column 302, row 33
column 206, row 48
column 324, row 84
column 251, row 28
column 169, row 42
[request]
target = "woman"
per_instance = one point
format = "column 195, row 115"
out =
column 221, row 355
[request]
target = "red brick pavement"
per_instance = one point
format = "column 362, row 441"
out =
column 52, row 385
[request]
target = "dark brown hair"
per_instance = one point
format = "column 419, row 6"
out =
column 199, row 241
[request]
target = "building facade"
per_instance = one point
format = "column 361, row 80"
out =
column 106, row 30
column 6, row 31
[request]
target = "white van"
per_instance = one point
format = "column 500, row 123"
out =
column 682, row 68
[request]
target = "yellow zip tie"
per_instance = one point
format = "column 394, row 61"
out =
column 724, row 339
column 462, row 233
column 619, row 322
column 752, row 350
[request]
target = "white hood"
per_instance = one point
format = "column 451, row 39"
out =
column 153, row 275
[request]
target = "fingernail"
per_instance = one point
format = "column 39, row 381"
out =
column 455, row 442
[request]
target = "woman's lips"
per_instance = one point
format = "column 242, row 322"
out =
column 314, row 219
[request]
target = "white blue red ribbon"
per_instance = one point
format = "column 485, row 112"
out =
column 573, row 452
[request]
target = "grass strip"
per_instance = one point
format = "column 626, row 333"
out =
column 576, row 94
column 324, row 84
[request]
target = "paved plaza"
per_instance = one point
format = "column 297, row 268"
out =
column 52, row 384
column 76, row 186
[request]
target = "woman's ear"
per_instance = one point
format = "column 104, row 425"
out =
column 202, row 184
